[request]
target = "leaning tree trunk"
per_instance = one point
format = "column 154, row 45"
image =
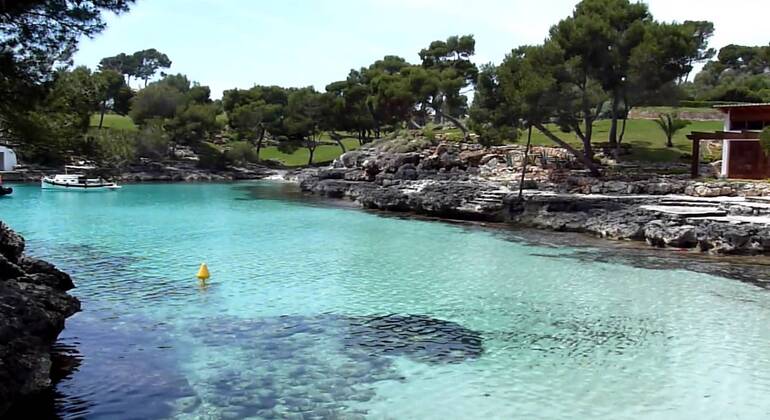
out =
column 587, row 163
column 338, row 138
column 458, row 124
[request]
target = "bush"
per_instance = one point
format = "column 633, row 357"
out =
column 429, row 133
column 210, row 157
column 152, row 142
column 241, row 152
column 110, row 148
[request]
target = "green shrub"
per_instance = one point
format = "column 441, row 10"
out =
column 110, row 148
column 210, row 157
column 241, row 152
column 152, row 141
column 429, row 133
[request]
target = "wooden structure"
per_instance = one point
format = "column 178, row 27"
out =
column 742, row 156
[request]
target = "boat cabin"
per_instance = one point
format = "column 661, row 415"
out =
column 7, row 159
column 742, row 156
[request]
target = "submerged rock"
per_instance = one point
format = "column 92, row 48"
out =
column 33, row 307
column 319, row 366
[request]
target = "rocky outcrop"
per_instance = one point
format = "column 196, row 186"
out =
column 188, row 172
column 173, row 171
column 33, row 307
column 470, row 183
column 437, row 182
column 626, row 219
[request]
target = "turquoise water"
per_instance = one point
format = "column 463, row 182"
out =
column 297, row 321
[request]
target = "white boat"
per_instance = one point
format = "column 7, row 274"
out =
column 76, row 182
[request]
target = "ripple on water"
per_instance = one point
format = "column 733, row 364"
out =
column 511, row 329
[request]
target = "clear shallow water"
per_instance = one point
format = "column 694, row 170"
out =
column 292, row 322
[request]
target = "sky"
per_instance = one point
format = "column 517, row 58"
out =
column 239, row 43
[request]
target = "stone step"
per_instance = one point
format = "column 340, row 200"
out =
column 688, row 202
column 758, row 199
column 687, row 211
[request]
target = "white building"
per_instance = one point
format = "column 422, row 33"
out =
column 7, row 159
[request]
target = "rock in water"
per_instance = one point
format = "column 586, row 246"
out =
column 418, row 337
column 33, row 307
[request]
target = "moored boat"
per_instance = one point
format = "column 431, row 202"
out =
column 4, row 190
column 77, row 182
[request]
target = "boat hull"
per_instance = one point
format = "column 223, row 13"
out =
column 49, row 184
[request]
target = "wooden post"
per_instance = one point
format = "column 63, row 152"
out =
column 695, row 170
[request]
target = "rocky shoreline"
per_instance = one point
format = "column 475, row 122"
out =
column 179, row 171
column 470, row 183
column 33, row 307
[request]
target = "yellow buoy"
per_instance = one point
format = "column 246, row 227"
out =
column 203, row 272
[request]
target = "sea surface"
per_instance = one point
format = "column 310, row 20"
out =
column 321, row 311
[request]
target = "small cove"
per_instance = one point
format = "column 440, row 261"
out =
column 330, row 311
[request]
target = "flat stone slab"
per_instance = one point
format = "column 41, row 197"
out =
column 687, row 211
column 756, row 220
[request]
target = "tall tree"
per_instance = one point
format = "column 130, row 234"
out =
column 349, row 106
column 700, row 34
column 255, row 112
column 390, row 100
column 491, row 117
column 530, row 81
column 35, row 37
column 302, row 122
column 148, row 62
column 125, row 64
column 110, row 87
column 449, row 71
column 603, row 34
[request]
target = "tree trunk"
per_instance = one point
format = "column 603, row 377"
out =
column 338, row 138
column 586, row 137
column 587, row 163
column 310, row 158
column 669, row 142
column 623, row 129
column 524, row 163
column 458, row 124
column 614, row 124
column 414, row 124
column 259, row 142
column 101, row 116
column 311, row 144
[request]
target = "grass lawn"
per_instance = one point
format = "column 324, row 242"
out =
column 645, row 137
column 120, row 122
column 324, row 153
column 648, row 143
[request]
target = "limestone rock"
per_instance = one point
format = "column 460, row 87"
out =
column 33, row 307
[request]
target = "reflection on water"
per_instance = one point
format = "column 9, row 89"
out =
column 293, row 322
